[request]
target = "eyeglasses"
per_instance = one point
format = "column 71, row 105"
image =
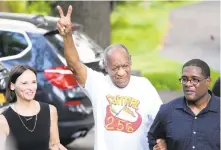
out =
column 194, row 81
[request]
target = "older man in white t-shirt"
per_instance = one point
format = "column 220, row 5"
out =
column 124, row 106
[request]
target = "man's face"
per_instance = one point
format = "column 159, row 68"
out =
column 195, row 89
column 119, row 67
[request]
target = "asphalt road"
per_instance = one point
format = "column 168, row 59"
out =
column 195, row 33
column 85, row 143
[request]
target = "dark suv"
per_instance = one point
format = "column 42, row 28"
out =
column 24, row 43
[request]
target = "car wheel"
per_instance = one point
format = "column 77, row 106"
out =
column 66, row 141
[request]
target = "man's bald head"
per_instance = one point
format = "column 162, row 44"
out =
column 114, row 48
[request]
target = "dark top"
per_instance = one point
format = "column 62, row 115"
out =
column 216, row 88
column 24, row 139
column 182, row 130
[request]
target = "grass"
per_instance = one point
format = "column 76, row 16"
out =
column 163, row 73
column 142, row 28
column 139, row 27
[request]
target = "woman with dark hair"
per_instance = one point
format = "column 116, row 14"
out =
column 32, row 125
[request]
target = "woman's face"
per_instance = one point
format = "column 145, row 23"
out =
column 25, row 86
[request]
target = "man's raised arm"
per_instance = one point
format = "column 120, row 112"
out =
column 64, row 26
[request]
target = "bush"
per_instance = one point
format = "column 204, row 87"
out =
column 164, row 80
column 31, row 7
column 170, row 80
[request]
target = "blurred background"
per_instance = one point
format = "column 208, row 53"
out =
column 160, row 35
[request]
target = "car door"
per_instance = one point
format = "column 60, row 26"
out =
column 4, row 74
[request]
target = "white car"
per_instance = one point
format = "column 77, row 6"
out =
column 88, row 50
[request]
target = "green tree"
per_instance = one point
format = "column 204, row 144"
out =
column 31, row 7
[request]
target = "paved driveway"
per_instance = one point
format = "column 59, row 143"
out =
column 195, row 33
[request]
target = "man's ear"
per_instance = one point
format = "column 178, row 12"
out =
column 105, row 67
column 208, row 81
column 130, row 60
column 12, row 86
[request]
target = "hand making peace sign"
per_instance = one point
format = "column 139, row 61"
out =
column 64, row 24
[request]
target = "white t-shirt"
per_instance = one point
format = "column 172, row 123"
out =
column 122, row 115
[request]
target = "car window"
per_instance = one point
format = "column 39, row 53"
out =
column 44, row 54
column 87, row 49
column 80, row 39
column 11, row 43
column 83, row 39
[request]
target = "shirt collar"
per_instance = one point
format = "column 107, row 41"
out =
column 213, row 104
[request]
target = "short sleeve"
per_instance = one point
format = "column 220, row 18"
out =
column 156, row 100
column 93, row 81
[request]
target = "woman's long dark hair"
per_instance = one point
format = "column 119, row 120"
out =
column 13, row 75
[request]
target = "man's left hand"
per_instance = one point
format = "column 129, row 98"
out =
column 161, row 145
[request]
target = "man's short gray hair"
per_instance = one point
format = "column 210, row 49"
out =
column 113, row 46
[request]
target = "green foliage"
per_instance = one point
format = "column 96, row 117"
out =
column 158, row 80
column 169, row 81
column 141, row 28
column 17, row 6
column 39, row 7
column 32, row 7
column 137, row 27
column 214, row 76
column 162, row 73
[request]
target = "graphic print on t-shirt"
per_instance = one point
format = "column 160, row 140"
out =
column 122, row 114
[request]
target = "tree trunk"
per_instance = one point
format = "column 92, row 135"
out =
column 93, row 15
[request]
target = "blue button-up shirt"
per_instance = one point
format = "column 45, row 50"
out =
column 183, row 130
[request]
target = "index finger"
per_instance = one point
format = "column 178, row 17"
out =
column 69, row 12
column 60, row 11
